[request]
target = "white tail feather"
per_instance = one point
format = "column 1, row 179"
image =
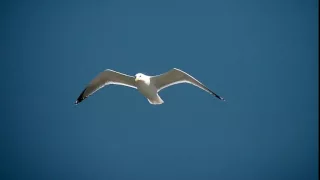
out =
column 156, row 101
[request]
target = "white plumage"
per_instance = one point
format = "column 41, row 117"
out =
column 149, row 86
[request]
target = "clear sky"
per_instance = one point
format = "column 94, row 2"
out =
column 261, row 56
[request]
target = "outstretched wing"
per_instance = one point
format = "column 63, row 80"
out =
column 177, row 76
column 105, row 78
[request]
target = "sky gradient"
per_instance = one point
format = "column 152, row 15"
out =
column 261, row 56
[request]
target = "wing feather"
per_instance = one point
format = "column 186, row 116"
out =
column 177, row 76
column 105, row 78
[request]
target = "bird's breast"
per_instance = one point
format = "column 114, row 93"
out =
column 147, row 90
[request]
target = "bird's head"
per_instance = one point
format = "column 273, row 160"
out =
column 141, row 77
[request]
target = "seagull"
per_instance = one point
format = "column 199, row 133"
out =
column 148, row 86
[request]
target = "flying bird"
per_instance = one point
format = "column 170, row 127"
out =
column 149, row 86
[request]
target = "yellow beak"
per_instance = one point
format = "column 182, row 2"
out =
column 136, row 79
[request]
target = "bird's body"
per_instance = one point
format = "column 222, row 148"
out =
column 148, row 86
column 148, row 89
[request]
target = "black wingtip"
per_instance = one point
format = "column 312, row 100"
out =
column 221, row 98
column 80, row 98
column 217, row 96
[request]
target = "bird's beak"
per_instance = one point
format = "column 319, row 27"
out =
column 136, row 79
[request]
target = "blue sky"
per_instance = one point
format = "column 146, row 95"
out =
column 261, row 56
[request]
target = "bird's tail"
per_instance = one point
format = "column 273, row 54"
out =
column 156, row 101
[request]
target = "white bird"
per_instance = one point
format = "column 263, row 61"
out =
column 149, row 86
